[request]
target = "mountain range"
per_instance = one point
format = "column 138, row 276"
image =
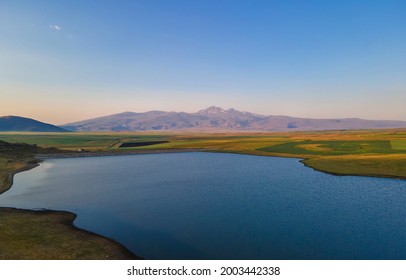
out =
column 15, row 123
column 218, row 119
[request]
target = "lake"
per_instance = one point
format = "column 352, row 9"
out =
column 221, row 206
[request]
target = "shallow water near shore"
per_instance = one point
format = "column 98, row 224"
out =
column 221, row 206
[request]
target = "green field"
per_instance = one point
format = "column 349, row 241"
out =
column 338, row 152
column 334, row 147
column 398, row 144
column 74, row 141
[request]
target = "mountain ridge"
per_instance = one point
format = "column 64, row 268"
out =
column 17, row 123
column 218, row 119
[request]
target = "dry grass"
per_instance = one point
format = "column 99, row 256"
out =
column 49, row 235
column 393, row 166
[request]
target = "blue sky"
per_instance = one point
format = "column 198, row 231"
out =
column 63, row 61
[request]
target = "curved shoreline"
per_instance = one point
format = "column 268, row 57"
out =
column 10, row 178
column 67, row 220
column 31, row 163
column 382, row 176
column 118, row 153
column 306, row 161
column 74, row 242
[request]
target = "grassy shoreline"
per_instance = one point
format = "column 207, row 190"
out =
column 371, row 167
column 7, row 180
column 48, row 235
column 314, row 163
column 51, row 235
column 45, row 234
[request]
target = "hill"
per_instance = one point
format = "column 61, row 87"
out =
column 218, row 119
column 15, row 123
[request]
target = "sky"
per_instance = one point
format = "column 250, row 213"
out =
column 65, row 61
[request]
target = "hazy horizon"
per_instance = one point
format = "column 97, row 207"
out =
column 63, row 62
column 191, row 112
column 225, row 108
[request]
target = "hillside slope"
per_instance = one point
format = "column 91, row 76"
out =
column 15, row 123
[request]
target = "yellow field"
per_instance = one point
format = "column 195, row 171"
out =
column 398, row 144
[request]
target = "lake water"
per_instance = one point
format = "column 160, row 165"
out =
column 221, row 206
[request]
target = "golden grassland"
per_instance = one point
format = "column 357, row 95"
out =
column 47, row 235
column 352, row 152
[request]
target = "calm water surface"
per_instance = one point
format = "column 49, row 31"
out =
column 221, row 206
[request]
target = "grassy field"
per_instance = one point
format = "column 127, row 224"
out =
column 14, row 158
column 47, row 235
column 371, row 153
column 73, row 141
column 398, row 144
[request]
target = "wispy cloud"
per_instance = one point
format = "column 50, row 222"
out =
column 55, row 27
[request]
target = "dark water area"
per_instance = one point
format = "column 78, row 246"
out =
column 141, row 144
column 221, row 206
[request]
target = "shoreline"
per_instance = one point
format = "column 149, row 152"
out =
column 119, row 153
column 67, row 220
column 303, row 160
column 69, row 217
column 10, row 180
column 381, row 176
column 58, row 225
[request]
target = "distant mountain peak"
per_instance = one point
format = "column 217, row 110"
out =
column 126, row 114
column 212, row 110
